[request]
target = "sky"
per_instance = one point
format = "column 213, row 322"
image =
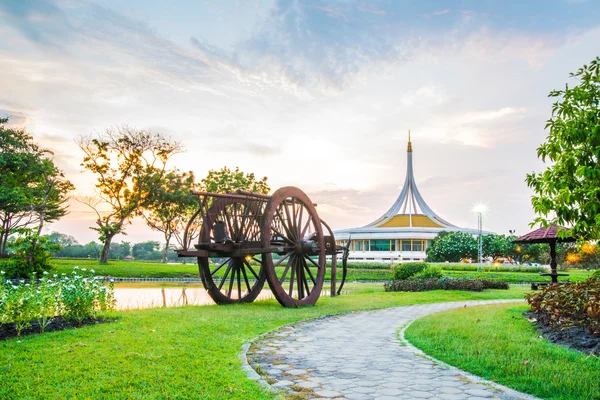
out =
column 314, row 94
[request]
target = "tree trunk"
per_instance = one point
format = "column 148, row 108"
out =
column 105, row 249
column 4, row 235
column 166, row 249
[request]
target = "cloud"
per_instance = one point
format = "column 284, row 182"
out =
column 442, row 12
column 15, row 118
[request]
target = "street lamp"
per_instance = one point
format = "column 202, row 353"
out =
column 480, row 209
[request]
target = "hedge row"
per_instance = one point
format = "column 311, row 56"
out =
column 444, row 283
column 491, row 268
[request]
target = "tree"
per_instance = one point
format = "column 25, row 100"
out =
column 126, row 161
column 499, row 246
column 226, row 181
column 149, row 250
column 567, row 193
column 33, row 191
column 62, row 239
column 452, row 246
column 170, row 206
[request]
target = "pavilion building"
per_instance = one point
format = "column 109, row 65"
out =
column 404, row 232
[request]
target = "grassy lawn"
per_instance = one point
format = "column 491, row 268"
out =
column 496, row 342
column 187, row 352
column 146, row 269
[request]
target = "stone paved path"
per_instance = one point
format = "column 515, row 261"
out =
column 358, row 356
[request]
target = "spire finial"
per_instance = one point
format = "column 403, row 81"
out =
column 409, row 149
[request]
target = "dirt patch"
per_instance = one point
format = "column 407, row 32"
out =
column 574, row 338
column 8, row 331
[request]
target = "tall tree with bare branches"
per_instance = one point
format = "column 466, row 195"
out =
column 126, row 162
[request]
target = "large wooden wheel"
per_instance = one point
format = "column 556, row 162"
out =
column 291, row 223
column 230, row 280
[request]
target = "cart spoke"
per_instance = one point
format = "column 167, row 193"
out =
column 239, row 283
column 231, row 283
column 226, row 273
column 287, row 268
column 282, row 259
column 219, row 267
column 246, row 277
column 292, row 278
column 312, row 278
column 308, row 221
column 250, row 268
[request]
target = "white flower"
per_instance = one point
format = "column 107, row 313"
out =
column 112, row 280
column 83, row 269
column 76, row 267
column 2, row 272
column 45, row 273
column 92, row 271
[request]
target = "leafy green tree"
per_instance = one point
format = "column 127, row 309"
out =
column 126, row 161
column 225, row 181
column 499, row 246
column 170, row 205
column 33, row 191
column 62, row 239
column 32, row 254
column 118, row 251
column 567, row 193
column 452, row 246
column 149, row 250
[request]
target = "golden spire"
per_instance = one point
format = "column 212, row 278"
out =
column 409, row 149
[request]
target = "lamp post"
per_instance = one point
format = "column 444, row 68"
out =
column 480, row 209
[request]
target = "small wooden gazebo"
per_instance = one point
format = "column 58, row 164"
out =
column 547, row 235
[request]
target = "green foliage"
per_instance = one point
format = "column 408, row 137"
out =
column 148, row 250
column 429, row 272
column 497, row 343
column 407, row 270
column 567, row 192
column 128, row 163
column 445, row 283
column 226, row 181
column 32, row 255
column 77, row 296
column 596, row 273
column 32, row 189
column 452, row 246
column 494, row 284
column 566, row 306
column 492, row 268
column 170, row 205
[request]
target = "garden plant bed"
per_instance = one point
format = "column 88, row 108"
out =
column 8, row 331
column 576, row 338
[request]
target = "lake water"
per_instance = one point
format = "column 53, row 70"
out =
column 132, row 298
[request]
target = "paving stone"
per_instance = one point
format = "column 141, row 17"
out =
column 327, row 393
column 479, row 393
column 283, row 383
column 357, row 357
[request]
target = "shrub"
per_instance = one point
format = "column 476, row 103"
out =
column 429, row 272
column 407, row 270
column 445, row 283
column 596, row 273
column 32, row 256
column 494, row 284
column 492, row 268
column 571, row 305
column 77, row 296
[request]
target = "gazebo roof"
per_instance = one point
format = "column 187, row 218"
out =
column 545, row 235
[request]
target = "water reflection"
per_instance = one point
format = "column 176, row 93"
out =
column 133, row 298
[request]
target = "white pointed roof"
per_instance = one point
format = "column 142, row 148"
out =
column 409, row 217
column 410, row 202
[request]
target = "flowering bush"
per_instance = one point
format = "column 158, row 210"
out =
column 429, row 272
column 76, row 296
column 566, row 306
